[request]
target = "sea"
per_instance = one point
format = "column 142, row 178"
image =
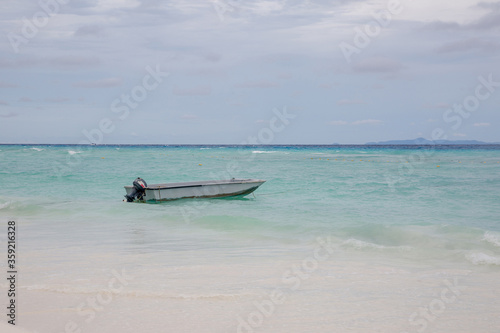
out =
column 338, row 239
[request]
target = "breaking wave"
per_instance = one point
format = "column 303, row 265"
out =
column 482, row 259
column 263, row 151
column 361, row 245
column 491, row 238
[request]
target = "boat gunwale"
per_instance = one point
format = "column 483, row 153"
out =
column 200, row 184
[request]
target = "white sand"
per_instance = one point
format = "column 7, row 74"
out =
column 7, row 328
column 338, row 297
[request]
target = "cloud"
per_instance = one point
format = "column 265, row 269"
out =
column 356, row 123
column 88, row 30
column 377, row 86
column 257, row 84
column 57, row 100
column 489, row 5
column 3, row 102
column 367, row 122
column 327, row 86
column 284, row 76
column 71, row 61
column 468, row 45
column 437, row 106
column 42, row 60
column 20, row 62
column 350, row 102
column 7, row 85
column 264, row 52
column 26, row 99
column 377, row 65
column 196, row 91
column 482, row 124
column 102, row 83
column 212, row 57
column 460, row 135
column 440, row 25
column 489, row 21
column 338, row 122
column 189, row 117
column 8, row 115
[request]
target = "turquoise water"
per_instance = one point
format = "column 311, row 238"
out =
column 411, row 208
column 445, row 199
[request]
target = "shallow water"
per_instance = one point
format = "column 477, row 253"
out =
column 353, row 238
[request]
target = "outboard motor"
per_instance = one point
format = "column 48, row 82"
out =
column 138, row 191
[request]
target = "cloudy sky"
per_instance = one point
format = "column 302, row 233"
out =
column 226, row 71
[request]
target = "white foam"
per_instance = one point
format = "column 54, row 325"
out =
column 359, row 244
column 491, row 238
column 482, row 259
column 5, row 205
column 37, row 149
column 72, row 152
column 263, row 152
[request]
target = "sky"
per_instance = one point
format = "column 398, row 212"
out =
column 260, row 72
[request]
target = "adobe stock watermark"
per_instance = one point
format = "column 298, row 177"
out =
column 363, row 35
column 471, row 103
column 291, row 280
column 122, row 107
column 266, row 135
column 88, row 310
column 453, row 116
column 276, row 124
column 31, row 27
column 425, row 316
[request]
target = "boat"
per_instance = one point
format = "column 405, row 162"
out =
column 142, row 192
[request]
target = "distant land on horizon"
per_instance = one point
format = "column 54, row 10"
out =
column 413, row 142
column 422, row 141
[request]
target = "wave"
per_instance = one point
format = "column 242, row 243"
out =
column 482, row 259
column 72, row 152
column 5, row 205
column 263, row 151
column 23, row 207
column 491, row 238
column 37, row 149
column 361, row 245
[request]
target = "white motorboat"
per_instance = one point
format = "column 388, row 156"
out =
column 140, row 191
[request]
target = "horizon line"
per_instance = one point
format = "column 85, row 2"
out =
column 430, row 143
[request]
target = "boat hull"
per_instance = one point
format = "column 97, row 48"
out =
column 201, row 189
